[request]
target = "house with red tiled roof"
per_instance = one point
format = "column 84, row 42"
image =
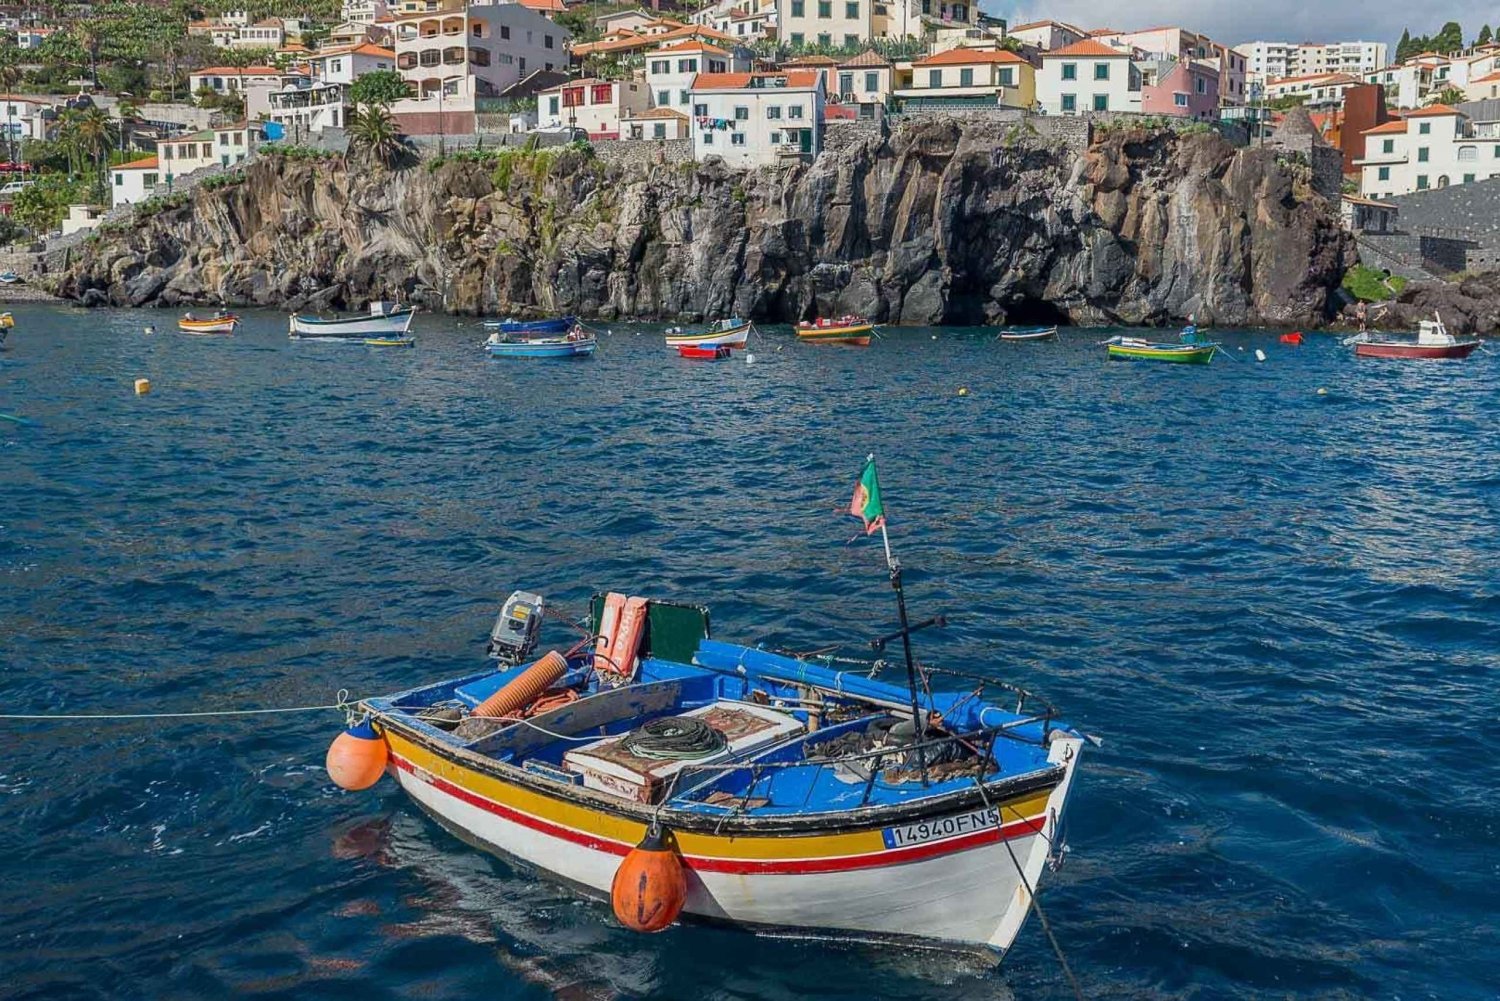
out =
column 671, row 68
column 1432, row 147
column 758, row 119
column 233, row 79
column 965, row 77
column 655, row 123
column 347, row 63
column 1088, row 76
column 132, row 182
column 599, row 107
column 1046, row 35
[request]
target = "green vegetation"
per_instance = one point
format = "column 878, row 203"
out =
column 41, row 205
column 1287, row 102
column 373, row 132
column 380, row 88
column 1449, row 39
column 1369, row 285
column 1449, row 95
column 288, row 151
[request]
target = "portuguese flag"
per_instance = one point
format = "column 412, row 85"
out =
column 866, row 503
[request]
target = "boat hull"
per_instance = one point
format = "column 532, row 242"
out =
column 541, row 349
column 948, row 879
column 1029, row 335
column 1381, row 349
column 352, row 328
column 734, row 338
column 858, row 335
column 556, row 325
column 703, row 352
column 225, row 326
column 1191, row 355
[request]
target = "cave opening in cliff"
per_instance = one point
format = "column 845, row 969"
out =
column 1034, row 313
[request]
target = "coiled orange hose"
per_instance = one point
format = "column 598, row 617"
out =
column 524, row 687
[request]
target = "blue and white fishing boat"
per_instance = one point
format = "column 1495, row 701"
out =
column 528, row 328
column 680, row 776
column 384, row 320
column 1028, row 334
column 575, row 344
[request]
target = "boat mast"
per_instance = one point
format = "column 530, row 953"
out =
column 918, row 717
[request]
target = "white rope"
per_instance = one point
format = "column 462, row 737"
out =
column 344, row 703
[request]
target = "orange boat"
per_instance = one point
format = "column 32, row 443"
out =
column 224, row 323
column 844, row 330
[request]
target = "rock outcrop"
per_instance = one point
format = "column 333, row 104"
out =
column 1470, row 306
column 941, row 221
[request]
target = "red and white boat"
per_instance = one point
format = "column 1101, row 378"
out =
column 704, row 352
column 731, row 333
column 1433, row 341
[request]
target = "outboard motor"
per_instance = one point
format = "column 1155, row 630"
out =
column 517, row 629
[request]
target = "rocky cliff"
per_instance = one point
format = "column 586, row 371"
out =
column 939, row 221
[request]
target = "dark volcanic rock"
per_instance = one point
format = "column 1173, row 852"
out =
column 1471, row 306
column 940, row 222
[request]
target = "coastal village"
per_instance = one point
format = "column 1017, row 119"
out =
column 112, row 103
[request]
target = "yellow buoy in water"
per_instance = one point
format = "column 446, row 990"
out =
column 356, row 758
column 963, row 390
column 7, row 321
column 142, row 387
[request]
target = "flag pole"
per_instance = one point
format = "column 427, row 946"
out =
column 918, row 717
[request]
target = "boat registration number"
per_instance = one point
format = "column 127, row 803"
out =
column 987, row 818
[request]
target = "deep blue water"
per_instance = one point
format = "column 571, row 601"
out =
column 1280, row 610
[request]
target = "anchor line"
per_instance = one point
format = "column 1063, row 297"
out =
column 1035, row 904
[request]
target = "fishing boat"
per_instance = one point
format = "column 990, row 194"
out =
column 219, row 323
column 704, row 352
column 391, row 342
column 384, row 320
column 1432, row 341
column 1136, row 349
column 731, row 333
column 554, row 325
column 844, row 330
column 10, row 278
column 783, row 793
column 681, row 776
column 1029, row 334
column 7, row 321
column 576, row 344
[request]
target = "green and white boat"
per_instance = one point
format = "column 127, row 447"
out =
column 1135, row 349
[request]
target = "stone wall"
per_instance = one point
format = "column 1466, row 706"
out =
column 1471, row 209
column 1072, row 131
column 1416, row 256
column 839, row 136
column 1326, row 163
column 627, row 152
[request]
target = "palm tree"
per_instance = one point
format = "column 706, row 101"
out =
column 87, row 135
column 90, row 34
column 373, row 131
column 10, row 76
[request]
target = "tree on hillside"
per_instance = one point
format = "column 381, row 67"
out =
column 1403, row 47
column 1450, row 39
column 89, row 135
column 1485, row 37
column 10, row 76
column 41, row 205
column 1449, row 95
column 378, row 88
column 373, row 132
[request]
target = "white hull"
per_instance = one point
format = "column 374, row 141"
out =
column 352, row 328
column 969, row 895
column 736, row 338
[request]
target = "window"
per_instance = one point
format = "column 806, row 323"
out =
column 683, row 97
column 1070, row 71
column 659, row 66
column 659, row 130
column 1383, row 174
column 741, row 114
column 1101, row 102
column 406, row 60
column 453, row 56
column 700, row 111
column 1497, row 150
column 150, row 180
column 119, row 179
column 851, row 41
column 1007, row 77
column 851, row 10
column 934, row 78
column 799, row 8
column 1201, row 88
column 708, row 138
column 798, row 38
column 737, row 139
column 239, row 140
column 223, row 138
column 1422, row 153
column 663, row 98
column 552, row 105
column 824, row 38
column 505, row 31
column 966, row 77
column 1101, row 71
column 1468, row 178
column 1421, row 182
column 1424, row 129
column 335, row 65
column 687, row 65
column 546, row 41
column 1467, row 154
column 479, row 57
column 1180, row 100
column 775, row 138
column 601, row 93
column 430, row 57
column 794, row 111
column 208, row 151
column 478, row 32
column 1069, row 102
column 1388, row 146
column 521, row 65
column 773, row 111
column 825, row 9
column 846, row 83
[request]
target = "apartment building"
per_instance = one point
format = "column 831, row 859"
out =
column 1433, row 147
column 756, row 119
column 1182, row 88
column 850, row 23
column 1269, row 61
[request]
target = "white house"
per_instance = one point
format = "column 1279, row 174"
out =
column 300, row 110
column 1087, row 76
column 31, row 38
column 1434, row 147
column 1318, row 90
column 222, row 146
column 25, row 117
column 268, row 33
column 232, row 79
column 655, row 123
column 1047, row 35
column 364, row 11
column 345, row 64
column 670, row 71
column 81, row 217
column 1405, row 85
column 132, row 182
column 597, row 106
column 754, row 119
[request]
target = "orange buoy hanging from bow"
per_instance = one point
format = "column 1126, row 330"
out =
column 650, row 886
column 356, row 758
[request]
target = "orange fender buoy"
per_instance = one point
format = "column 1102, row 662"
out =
column 521, row 690
column 650, row 886
column 356, row 758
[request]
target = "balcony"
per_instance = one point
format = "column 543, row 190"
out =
column 310, row 97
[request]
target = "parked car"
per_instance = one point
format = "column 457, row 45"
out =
column 12, row 188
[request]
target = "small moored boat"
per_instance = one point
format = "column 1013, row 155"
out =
column 553, row 325
column 844, row 330
column 731, row 333
column 391, row 342
column 10, row 278
column 704, row 352
column 1028, row 334
column 219, row 323
column 1136, row 349
column 577, row 343
column 1433, row 341
column 384, row 320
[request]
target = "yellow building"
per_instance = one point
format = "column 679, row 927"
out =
column 964, row 77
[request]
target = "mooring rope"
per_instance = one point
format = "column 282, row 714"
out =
column 1031, row 894
column 344, row 703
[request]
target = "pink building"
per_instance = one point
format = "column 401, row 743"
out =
column 1179, row 43
column 1180, row 88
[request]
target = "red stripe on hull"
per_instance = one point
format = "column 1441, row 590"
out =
column 845, row 863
